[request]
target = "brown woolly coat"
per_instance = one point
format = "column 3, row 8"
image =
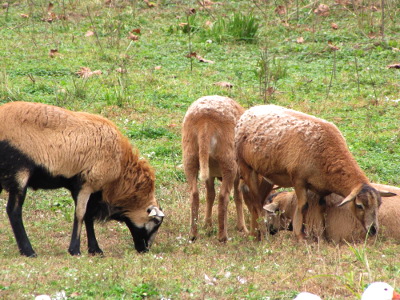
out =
column 67, row 143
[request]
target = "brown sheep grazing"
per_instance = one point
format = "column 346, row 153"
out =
column 47, row 147
column 324, row 219
column 208, row 148
column 293, row 149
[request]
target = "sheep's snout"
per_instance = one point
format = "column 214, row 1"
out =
column 372, row 230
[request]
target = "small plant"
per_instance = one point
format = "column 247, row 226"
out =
column 144, row 291
column 239, row 27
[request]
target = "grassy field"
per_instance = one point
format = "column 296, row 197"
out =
column 145, row 70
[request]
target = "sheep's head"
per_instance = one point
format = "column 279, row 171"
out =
column 365, row 202
column 278, row 212
column 144, row 226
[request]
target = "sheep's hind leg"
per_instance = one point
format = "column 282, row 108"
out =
column 238, row 197
column 14, row 211
column 210, row 197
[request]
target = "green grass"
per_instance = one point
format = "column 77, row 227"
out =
column 351, row 87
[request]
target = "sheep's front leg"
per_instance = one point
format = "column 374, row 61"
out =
column 80, row 210
column 298, row 220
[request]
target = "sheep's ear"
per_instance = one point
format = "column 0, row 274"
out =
column 155, row 212
column 386, row 194
column 271, row 207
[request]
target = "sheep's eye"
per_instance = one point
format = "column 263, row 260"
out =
column 359, row 206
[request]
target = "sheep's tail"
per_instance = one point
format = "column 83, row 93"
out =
column 204, row 153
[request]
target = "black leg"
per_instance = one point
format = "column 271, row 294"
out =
column 93, row 246
column 14, row 211
column 75, row 245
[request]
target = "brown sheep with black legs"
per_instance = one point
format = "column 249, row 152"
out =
column 47, row 147
column 292, row 149
column 208, row 149
column 331, row 222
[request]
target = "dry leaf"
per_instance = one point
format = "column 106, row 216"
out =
column 50, row 6
column 280, row 10
column 89, row 33
column 191, row 54
column 172, row 125
column 332, row 46
column 85, row 72
column 373, row 8
column 191, row 11
column 157, row 68
column 372, row 35
column 201, row 59
column 149, row 4
column 5, row 5
column 24, row 16
column 394, row 66
column 182, row 24
column 300, row 40
column 136, row 30
column 334, row 26
column 322, row 10
column 133, row 37
column 208, row 24
column 270, row 90
column 121, row 70
column 53, row 52
column 224, row 84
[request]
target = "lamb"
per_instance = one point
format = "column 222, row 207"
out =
column 47, row 147
column 208, row 148
column 293, row 149
column 333, row 223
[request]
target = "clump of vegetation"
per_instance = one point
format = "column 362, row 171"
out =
column 238, row 27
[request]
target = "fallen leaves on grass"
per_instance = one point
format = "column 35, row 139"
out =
column 5, row 5
column 201, row 59
column 53, row 53
column 300, row 40
column 224, row 84
column 136, row 30
column 24, row 16
column 334, row 26
column 149, row 3
column 85, row 72
column 280, row 10
column 394, row 66
column 157, row 68
column 89, row 33
column 133, row 37
column 332, row 46
column 121, row 70
column 322, row 10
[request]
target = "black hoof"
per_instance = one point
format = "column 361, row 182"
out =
column 74, row 252
column 95, row 252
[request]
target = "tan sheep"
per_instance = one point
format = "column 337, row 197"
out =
column 293, row 149
column 47, row 147
column 332, row 222
column 208, row 148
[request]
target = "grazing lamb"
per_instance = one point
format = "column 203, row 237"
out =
column 47, row 147
column 332, row 222
column 208, row 148
column 293, row 149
